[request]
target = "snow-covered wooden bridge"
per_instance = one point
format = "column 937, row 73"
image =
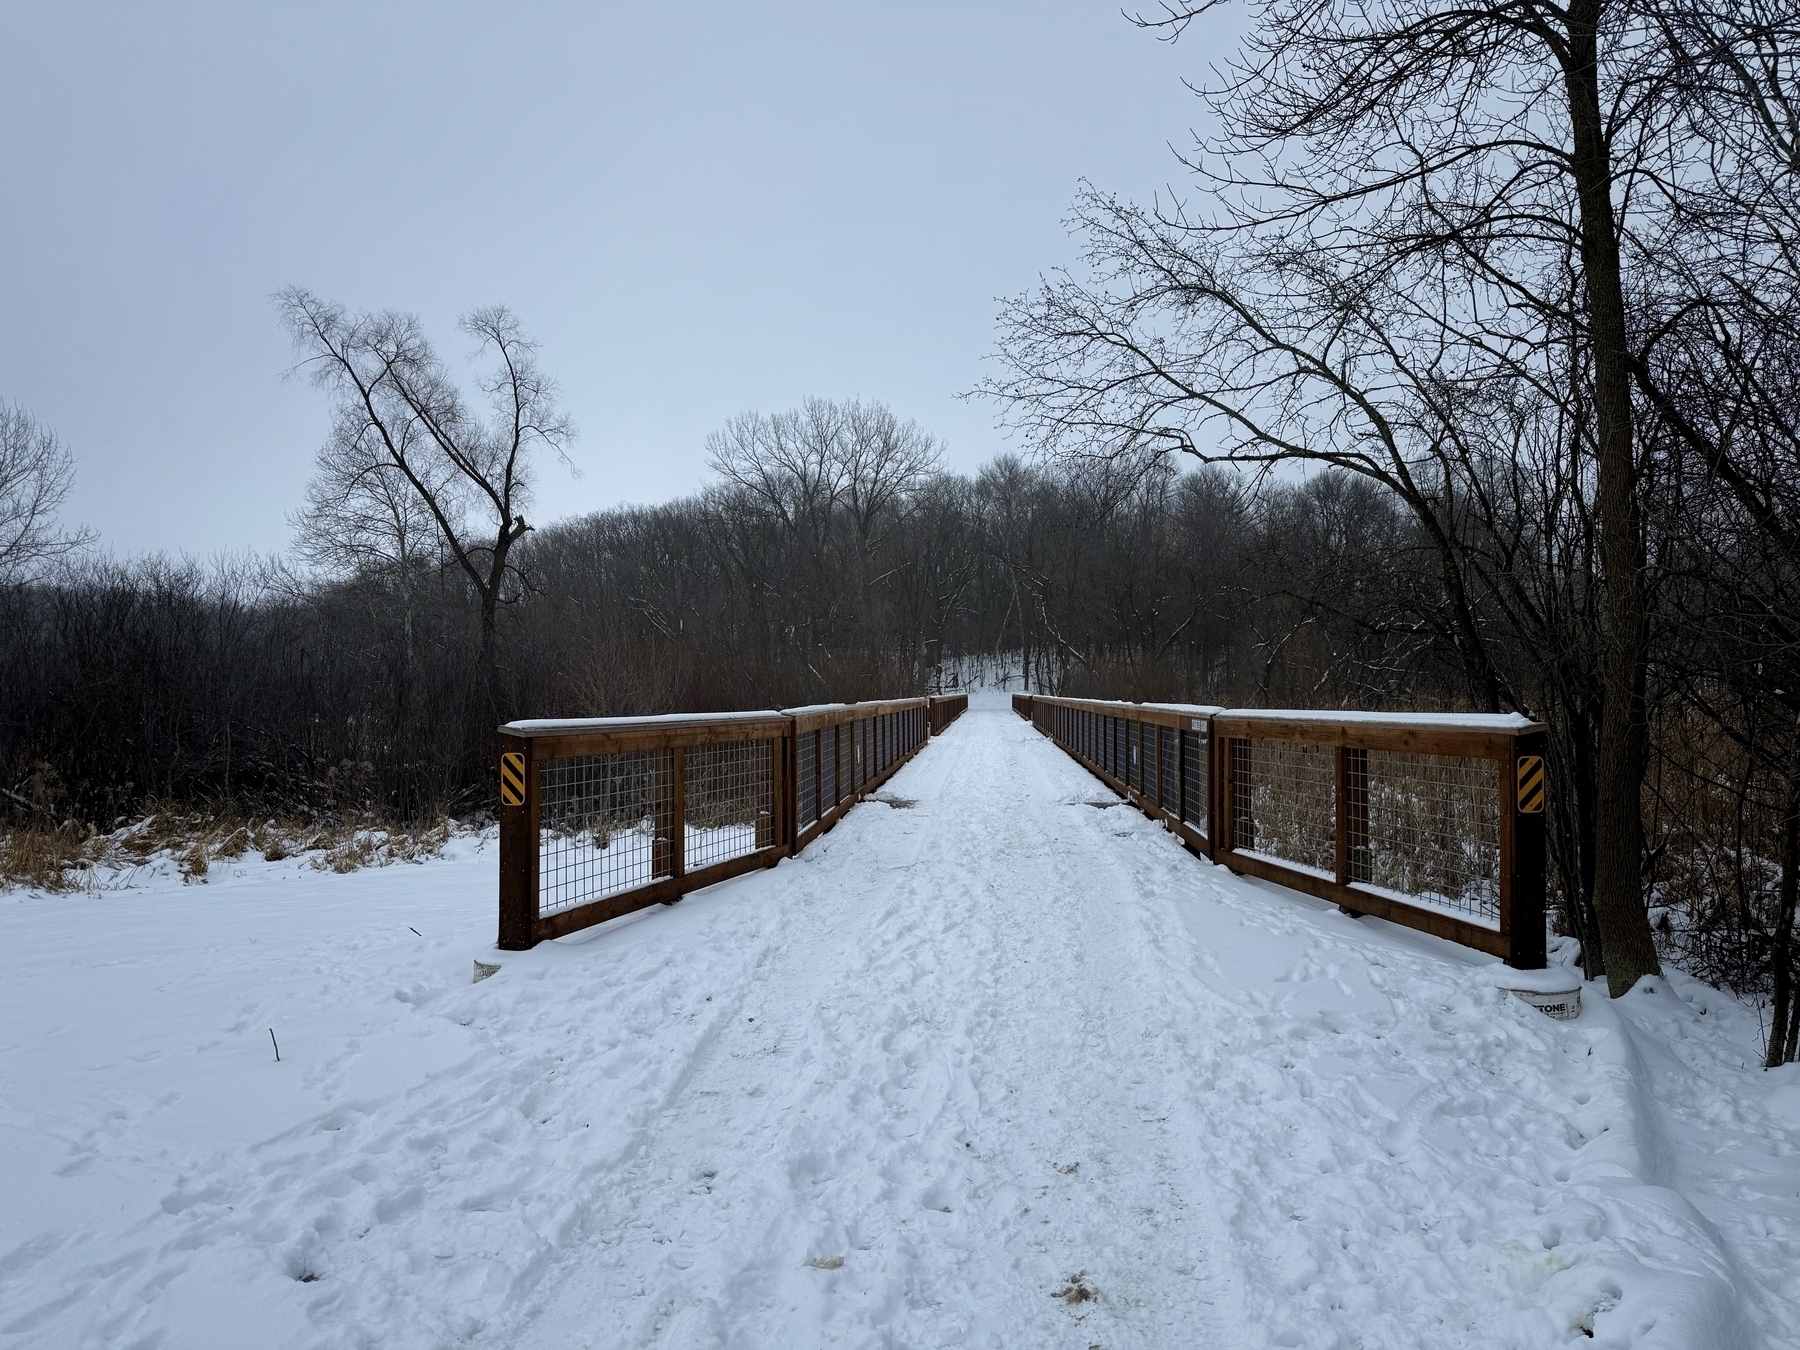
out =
column 995, row 1062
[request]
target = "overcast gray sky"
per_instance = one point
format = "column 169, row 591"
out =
column 697, row 209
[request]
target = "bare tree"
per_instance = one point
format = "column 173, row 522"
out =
column 1409, row 201
column 36, row 473
column 827, row 484
column 403, row 437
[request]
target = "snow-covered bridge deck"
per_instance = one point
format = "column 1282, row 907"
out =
column 995, row 1063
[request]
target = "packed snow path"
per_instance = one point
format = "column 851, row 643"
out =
column 995, row 1063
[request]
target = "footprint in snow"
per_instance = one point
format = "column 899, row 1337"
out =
column 1076, row 1290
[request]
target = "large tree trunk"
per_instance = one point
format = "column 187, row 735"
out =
column 486, row 693
column 1780, row 1050
column 1624, row 727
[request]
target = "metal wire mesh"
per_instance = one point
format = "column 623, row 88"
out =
column 1428, row 829
column 1293, row 803
column 828, row 764
column 1243, row 794
column 1193, row 754
column 730, row 803
column 1168, row 767
column 1118, row 747
column 604, row 825
column 846, row 759
column 806, row 781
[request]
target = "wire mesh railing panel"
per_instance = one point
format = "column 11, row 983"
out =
column 828, row 766
column 730, row 801
column 604, row 825
column 1428, row 830
column 1293, row 804
column 806, row 781
column 1430, row 840
column 1168, row 767
column 1193, row 758
column 1243, row 790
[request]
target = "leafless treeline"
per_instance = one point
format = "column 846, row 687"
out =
column 833, row 558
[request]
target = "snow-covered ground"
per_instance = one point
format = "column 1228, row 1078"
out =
column 1000, row 1067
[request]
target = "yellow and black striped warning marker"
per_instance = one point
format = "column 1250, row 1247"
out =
column 1531, row 785
column 512, row 779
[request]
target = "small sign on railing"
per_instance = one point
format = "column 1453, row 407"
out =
column 1531, row 785
column 512, row 779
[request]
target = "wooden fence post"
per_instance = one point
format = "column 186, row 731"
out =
column 518, row 844
column 1522, row 849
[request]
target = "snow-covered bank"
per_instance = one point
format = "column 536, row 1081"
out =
column 1002, row 1067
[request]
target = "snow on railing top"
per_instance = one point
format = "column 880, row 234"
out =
column 553, row 725
column 1490, row 722
column 1440, row 721
column 812, row 708
column 1184, row 709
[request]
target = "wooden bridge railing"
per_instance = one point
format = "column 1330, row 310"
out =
column 603, row 816
column 945, row 709
column 1432, row 821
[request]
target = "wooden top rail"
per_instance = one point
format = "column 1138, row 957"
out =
column 1476, row 735
column 565, row 738
column 817, row 715
column 1179, row 715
